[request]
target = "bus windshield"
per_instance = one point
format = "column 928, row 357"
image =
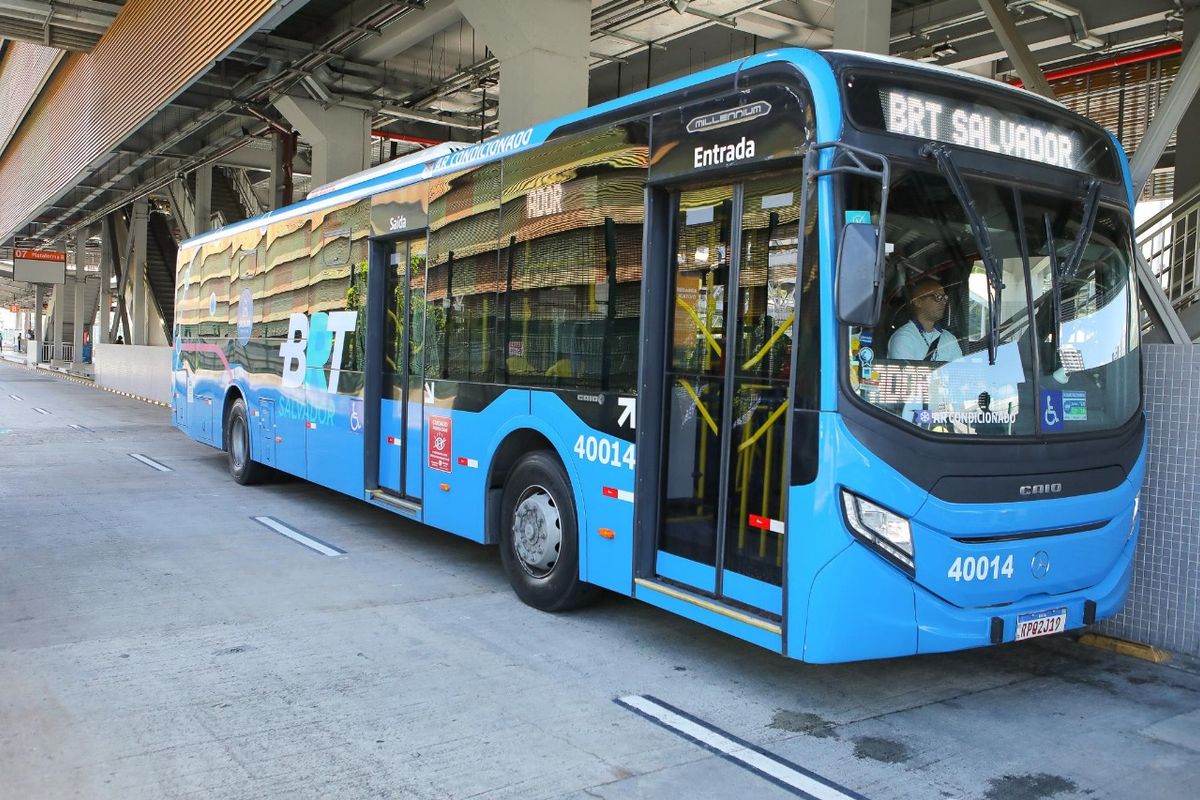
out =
column 1042, row 343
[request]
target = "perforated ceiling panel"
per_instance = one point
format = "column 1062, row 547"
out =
column 94, row 100
column 22, row 72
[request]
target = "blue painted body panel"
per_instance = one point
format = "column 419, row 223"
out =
column 842, row 601
column 686, row 571
column 857, row 605
column 749, row 633
column 390, row 452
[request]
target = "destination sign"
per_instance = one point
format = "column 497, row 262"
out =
column 974, row 115
column 925, row 116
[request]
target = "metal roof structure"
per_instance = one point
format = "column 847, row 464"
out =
column 423, row 73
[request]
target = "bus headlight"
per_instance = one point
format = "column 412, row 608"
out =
column 888, row 534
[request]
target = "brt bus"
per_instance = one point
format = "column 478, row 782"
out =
column 657, row 347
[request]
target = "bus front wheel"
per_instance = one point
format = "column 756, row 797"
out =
column 244, row 470
column 539, row 535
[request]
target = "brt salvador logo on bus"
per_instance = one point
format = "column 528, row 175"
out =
column 313, row 343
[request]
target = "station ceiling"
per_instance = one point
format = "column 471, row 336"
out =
column 426, row 76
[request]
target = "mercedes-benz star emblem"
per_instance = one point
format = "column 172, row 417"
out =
column 1040, row 564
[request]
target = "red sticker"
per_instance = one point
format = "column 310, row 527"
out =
column 439, row 443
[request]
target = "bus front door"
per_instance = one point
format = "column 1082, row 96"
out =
column 400, row 412
column 730, row 309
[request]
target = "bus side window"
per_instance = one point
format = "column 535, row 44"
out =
column 571, row 235
column 464, row 276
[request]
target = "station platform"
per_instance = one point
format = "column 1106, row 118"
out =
column 160, row 638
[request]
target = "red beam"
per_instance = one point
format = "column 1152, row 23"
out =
column 1110, row 63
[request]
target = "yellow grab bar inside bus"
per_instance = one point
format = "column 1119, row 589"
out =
column 775, row 415
column 712, row 342
column 699, row 404
column 757, row 357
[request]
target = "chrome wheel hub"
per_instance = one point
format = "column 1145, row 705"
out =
column 537, row 531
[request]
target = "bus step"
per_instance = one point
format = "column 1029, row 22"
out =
column 709, row 604
column 393, row 500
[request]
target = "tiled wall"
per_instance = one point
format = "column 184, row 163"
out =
column 1163, row 608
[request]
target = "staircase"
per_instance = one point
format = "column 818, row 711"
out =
column 161, row 250
column 227, row 206
column 1170, row 241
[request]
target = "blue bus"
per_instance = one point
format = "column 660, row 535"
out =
column 834, row 353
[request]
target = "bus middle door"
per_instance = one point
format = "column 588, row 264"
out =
column 400, row 412
column 729, row 307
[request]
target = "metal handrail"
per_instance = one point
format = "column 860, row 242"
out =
column 245, row 191
column 1170, row 243
column 1183, row 202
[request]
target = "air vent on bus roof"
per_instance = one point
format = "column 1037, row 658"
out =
column 419, row 157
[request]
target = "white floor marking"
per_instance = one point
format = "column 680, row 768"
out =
column 150, row 462
column 41, row 410
column 298, row 537
column 15, row 396
column 777, row 770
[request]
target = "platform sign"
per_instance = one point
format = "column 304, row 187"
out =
column 14, row 308
column 40, row 266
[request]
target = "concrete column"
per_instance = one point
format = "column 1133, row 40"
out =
column 78, row 323
column 543, row 49
column 106, row 272
column 137, row 273
column 864, row 25
column 340, row 137
column 202, row 202
column 39, row 297
column 62, row 292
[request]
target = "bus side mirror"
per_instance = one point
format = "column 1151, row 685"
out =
column 859, row 275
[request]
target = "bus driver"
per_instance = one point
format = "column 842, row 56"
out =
column 924, row 338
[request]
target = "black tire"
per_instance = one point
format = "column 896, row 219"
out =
column 543, row 575
column 242, row 467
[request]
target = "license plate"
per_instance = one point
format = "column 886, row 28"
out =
column 1040, row 623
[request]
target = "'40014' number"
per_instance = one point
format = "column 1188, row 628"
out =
column 980, row 568
column 612, row 452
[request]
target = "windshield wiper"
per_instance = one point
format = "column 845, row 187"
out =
column 991, row 264
column 1091, row 205
column 1060, row 272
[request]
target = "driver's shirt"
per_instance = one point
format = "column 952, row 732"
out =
column 912, row 342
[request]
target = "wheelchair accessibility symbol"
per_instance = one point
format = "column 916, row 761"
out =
column 356, row 417
column 1052, row 414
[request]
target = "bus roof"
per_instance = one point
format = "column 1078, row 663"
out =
column 407, row 171
column 392, row 175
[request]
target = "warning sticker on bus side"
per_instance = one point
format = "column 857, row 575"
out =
column 439, row 443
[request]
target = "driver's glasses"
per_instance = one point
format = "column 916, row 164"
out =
column 937, row 297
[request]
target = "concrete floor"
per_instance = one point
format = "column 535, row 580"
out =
column 157, row 642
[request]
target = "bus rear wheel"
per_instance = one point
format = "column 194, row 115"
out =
column 539, row 535
column 244, row 470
